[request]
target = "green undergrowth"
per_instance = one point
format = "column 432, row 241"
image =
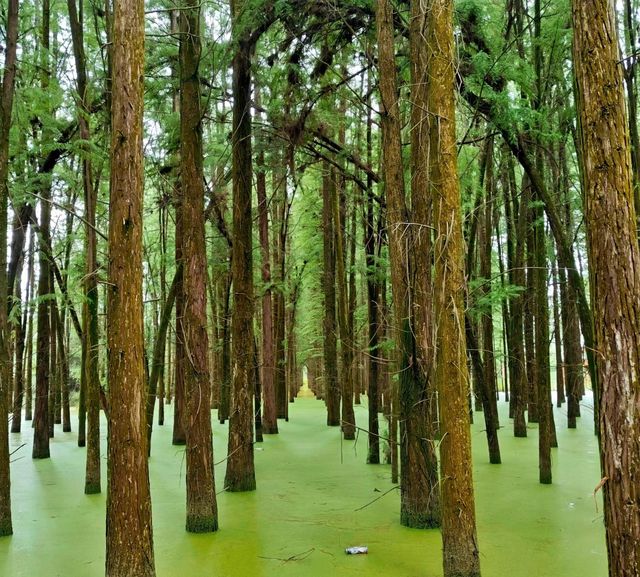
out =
column 315, row 496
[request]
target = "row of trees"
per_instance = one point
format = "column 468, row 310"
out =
column 339, row 121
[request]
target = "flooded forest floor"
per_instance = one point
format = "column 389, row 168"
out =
column 310, row 504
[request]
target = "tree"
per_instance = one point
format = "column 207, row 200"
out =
column 417, row 507
column 7, row 90
column 90, row 314
column 202, row 510
column 460, row 545
column 614, row 273
column 240, row 475
column 43, row 360
column 129, row 546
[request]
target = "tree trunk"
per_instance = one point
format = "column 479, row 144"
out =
column 240, row 475
column 19, row 330
column 179, row 400
column 90, row 329
column 348, row 418
column 460, row 546
column 331, row 388
column 614, row 272
column 28, row 408
column 6, row 100
column 129, row 538
column 41, row 417
column 269, row 416
column 416, row 507
column 202, row 509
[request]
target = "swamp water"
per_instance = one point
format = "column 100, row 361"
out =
column 308, row 509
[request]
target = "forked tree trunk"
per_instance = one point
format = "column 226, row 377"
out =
column 416, row 508
column 129, row 538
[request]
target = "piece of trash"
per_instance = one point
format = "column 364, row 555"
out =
column 259, row 449
column 360, row 550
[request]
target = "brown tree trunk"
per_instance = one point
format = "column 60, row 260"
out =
column 19, row 330
column 240, row 475
column 129, row 538
column 269, row 415
column 6, row 101
column 179, row 400
column 460, row 546
column 158, row 358
column 331, row 388
column 348, row 418
column 28, row 406
column 614, row 272
column 202, row 509
column 41, row 417
column 416, row 507
column 544, row 405
column 557, row 338
column 90, row 328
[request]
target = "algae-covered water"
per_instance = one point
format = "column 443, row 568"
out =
column 307, row 509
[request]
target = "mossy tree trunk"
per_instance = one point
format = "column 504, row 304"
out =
column 129, row 538
column 460, row 546
column 417, row 508
column 614, row 272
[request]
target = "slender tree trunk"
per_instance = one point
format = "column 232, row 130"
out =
column 614, row 272
column 240, row 475
column 179, row 433
column 159, row 348
column 41, row 417
column 202, row 509
column 28, row 409
column 557, row 338
column 90, row 329
column 346, row 342
column 18, row 377
column 269, row 416
column 331, row 388
column 129, row 539
column 544, row 405
column 6, row 104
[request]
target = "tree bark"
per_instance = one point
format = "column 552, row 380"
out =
column 269, row 415
column 202, row 509
column 331, row 388
column 6, row 104
column 129, row 539
column 460, row 546
column 614, row 272
column 416, row 506
column 240, row 475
